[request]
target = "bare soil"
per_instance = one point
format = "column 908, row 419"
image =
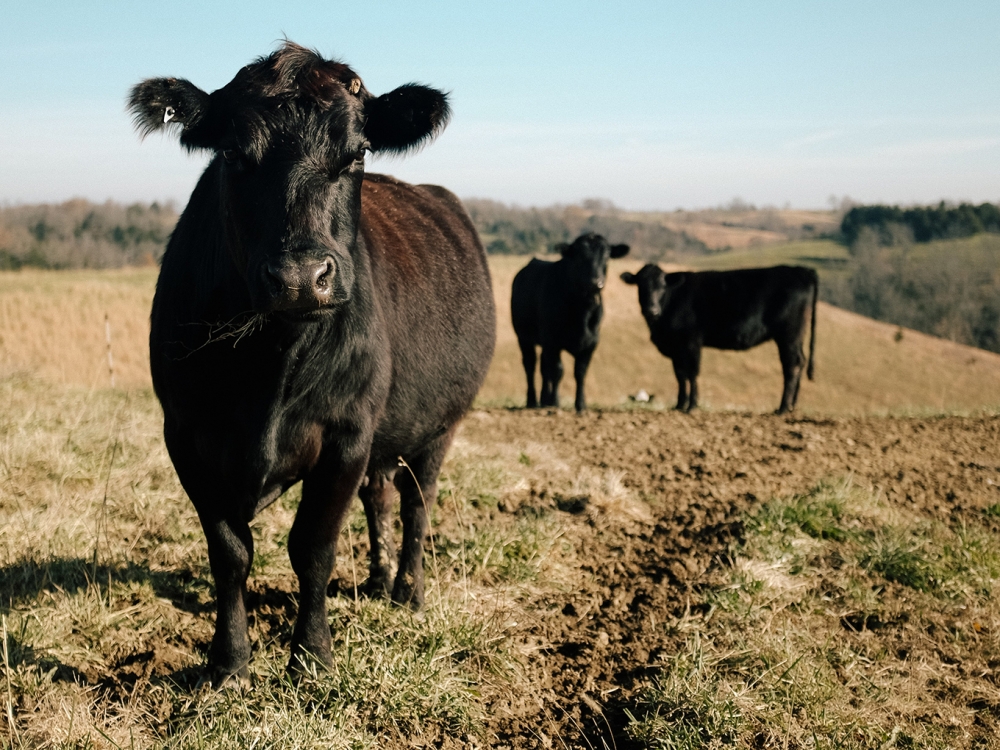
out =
column 591, row 646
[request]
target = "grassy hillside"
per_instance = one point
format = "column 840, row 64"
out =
column 861, row 366
column 52, row 324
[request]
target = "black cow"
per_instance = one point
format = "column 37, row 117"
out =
column 729, row 310
column 557, row 306
column 313, row 323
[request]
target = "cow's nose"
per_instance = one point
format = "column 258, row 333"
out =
column 305, row 285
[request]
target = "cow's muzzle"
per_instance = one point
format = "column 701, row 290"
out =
column 300, row 286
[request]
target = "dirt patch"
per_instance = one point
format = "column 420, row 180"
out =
column 592, row 646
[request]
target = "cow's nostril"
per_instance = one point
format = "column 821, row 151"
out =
column 322, row 276
column 273, row 281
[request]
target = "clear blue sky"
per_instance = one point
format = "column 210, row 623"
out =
column 653, row 105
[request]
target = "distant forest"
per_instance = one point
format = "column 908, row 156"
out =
column 509, row 230
column 923, row 223
column 80, row 234
column 906, row 267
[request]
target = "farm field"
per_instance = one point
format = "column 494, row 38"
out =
column 629, row 578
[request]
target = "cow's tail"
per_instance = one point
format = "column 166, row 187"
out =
column 812, row 332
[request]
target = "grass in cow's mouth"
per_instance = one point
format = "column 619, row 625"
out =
column 824, row 631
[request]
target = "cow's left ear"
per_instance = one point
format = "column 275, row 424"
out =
column 405, row 118
column 629, row 278
column 565, row 249
column 619, row 251
column 158, row 102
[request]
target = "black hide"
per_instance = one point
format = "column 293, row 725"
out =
column 729, row 310
column 557, row 306
column 313, row 323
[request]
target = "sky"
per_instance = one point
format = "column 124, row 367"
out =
column 651, row 105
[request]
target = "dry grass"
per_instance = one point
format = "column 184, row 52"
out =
column 52, row 324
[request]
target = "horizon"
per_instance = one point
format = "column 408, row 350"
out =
column 653, row 107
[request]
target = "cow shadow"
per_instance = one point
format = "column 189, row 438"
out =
column 26, row 580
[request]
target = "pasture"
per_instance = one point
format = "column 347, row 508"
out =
column 629, row 578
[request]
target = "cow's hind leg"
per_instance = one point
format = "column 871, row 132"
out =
column 793, row 359
column 552, row 372
column 580, row 364
column 376, row 497
column 312, row 547
column 417, row 484
column 528, row 359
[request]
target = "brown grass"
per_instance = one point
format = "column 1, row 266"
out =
column 52, row 324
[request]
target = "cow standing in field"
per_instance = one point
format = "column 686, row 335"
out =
column 729, row 310
column 557, row 306
column 313, row 323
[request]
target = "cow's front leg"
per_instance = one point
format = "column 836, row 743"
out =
column 580, row 365
column 312, row 547
column 682, row 385
column 528, row 359
column 230, row 552
column 552, row 372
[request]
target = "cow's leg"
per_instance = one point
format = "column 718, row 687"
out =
column 793, row 359
column 312, row 546
column 552, row 372
column 230, row 553
column 376, row 497
column 580, row 364
column 225, row 520
column 417, row 492
column 694, row 368
column 528, row 359
column 682, row 384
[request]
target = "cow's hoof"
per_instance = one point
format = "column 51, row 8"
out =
column 407, row 594
column 222, row 678
column 304, row 663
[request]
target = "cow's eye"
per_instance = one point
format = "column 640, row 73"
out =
column 231, row 155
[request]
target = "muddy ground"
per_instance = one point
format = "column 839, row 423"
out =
column 592, row 646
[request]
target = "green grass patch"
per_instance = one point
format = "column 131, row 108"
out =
column 836, row 624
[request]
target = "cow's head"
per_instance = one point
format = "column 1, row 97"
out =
column 289, row 134
column 587, row 260
column 655, row 288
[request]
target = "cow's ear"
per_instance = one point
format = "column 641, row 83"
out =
column 405, row 118
column 629, row 278
column 565, row 249
column 159, row 102
column 619, row 251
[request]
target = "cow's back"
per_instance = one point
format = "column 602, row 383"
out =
column 432, row 286
column 742, row 308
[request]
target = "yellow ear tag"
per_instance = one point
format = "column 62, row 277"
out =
column 355, row 85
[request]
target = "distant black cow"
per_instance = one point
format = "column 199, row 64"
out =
column 729, row 310
column 557, row 305
column 311, row 322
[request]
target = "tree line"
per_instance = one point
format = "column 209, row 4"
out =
column 511, row 230
column 924, row 223
column 81, row 234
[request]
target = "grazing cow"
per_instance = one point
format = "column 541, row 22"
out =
column 557, row 305
column 729, row 310
column 313, row 323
